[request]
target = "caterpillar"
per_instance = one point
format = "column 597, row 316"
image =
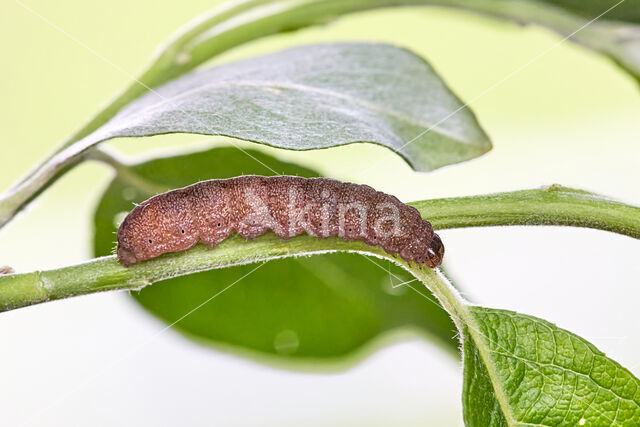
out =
column 5, row 269
column 210, row 211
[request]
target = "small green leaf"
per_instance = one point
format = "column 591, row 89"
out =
column 315, row 97
column 320, row 307
column 520, row 370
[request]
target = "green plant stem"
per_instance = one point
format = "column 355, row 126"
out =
column 444, row 291
column 238, row 22
column 466, row 323
column 554, row 205
column 125, row 170
column 106, row 273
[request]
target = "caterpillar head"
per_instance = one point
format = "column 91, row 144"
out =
column 161, row 224
column 435, row 252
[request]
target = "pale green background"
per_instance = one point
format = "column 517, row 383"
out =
column 571, row 117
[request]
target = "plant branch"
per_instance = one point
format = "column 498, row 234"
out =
column 125, row 170
column 106, row 273
column 554, row 205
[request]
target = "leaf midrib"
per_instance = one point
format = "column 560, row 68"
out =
column 499, row 392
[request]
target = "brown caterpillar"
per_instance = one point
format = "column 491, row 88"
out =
column 5, row 269
column 210, row 211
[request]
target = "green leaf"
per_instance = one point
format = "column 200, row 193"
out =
column 521, row 370
column 320, row 307
column 304, row 98
column 234, row 23
column 315, row 97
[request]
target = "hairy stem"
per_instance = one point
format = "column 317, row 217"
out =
column 445, row 292
column 106, row 273
column 553, row 205
column 125, row 170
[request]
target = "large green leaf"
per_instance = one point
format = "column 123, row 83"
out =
column 520, row 370
column 300, row 99
column 318, row 307
column 315, row 97
column 606, row 26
